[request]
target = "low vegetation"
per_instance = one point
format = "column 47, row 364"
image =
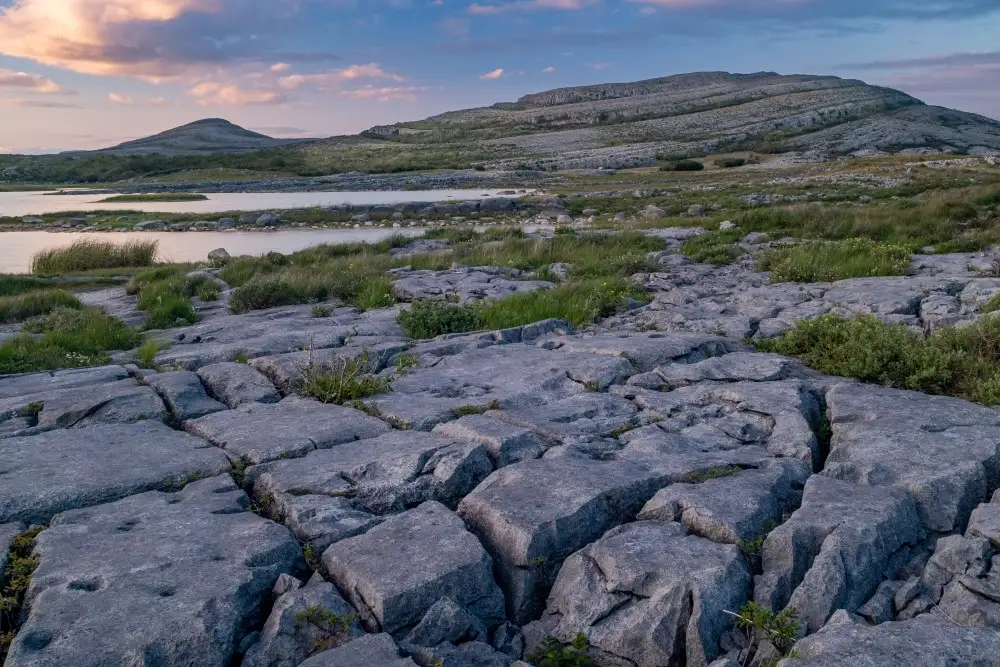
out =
column 21, row 564
column 162, row 197
column 764, row 627
column 91, row 254
column 20, row 307
column 65, row 338
column 954, row 361
column 341, row 380
column 165, row 294
column 826, row 261
column 552, row 653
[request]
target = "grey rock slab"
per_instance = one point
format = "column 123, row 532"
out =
column 532, row 515
column 184, row 394
column 985, row 522
column 235, row 384
column 175, row 578
column 973, row 602
column 647, row 594
column 835, row 549
column 646, row 351
column 735, row 367
column 302, row 622
column 122, row 402
column 446, row 621
column 468, row 654
column 370, row 651
column 397, row 570
column 944, row 451
column 507, row 443
column 56, row 471
column 37, row 383
column 926, row 641
column 293, row 427
column 733, row 508
column 589, row 415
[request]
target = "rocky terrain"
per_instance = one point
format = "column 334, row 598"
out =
column 633, row 484
column 206, row 136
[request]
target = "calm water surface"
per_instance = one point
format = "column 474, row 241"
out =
column 16, row 248
column 18, row 204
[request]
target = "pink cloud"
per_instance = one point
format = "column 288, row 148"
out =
column 529, row 5
column 385, row 94
column 495, row 74
column 36, row 83
column 336, row 78
column 215, row 94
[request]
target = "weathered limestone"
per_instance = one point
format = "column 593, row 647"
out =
column 647, row 351
column 464, row 284
column 122, row 402
column 926, row 641
column 40, row 383
column 294, row 427
column 648, row 594
column 835, row 550
column 370, row 650
column 176, row 578
column 184, row 394
column 985, row 522
column 303, row 621
column 336, row 493
column 944, row 451
column 61, row 470
column 431, row 556
column 235, row 384
column 505, row 442
column 534, row 514
column 575, row 418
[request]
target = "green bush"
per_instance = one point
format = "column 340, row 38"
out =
column 954, row 361
column 264, row 293
column 821, row 261
column 20, row 307
column 342, row 380
column 730, row 162
column 90, row 254
column 427, row 319
column 683, row 165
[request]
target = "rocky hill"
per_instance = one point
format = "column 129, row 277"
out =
column 629, row 124
column 210, row 135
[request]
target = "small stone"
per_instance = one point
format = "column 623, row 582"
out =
column 219, row 256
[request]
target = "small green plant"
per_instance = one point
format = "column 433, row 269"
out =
column 406, row 364
column 764, row 626
column 333, row 627
column 21, row 565
column 342, row 380
column 753, row 551
column 552, row 653
column 427, row 319
column 991, row 306
column 309, row 553
column 241, row 357
column 701, row 476
column 238, row 469
column 32, row 410
column 320, row 310
column 147, row 353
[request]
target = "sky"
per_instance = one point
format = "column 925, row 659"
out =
column 83, row 74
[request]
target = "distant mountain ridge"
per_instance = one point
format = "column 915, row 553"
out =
column 209, row 135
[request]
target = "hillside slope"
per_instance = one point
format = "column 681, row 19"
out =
column 626, row 124
column 210, row 135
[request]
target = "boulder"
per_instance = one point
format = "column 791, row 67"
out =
column 505, row 442
column 40, row 383
column 219, row 256
column 150, row 226
column 653, row 212
column 370, row 651
column 184, row 394
column 236, row 384
column 267, row 220
column 432, row 556
column 696, row 210
column 249, row 218
column 647, row 594
column 293, row 427
column 226, row 223
column 61, row 470
column 179, row 576
column 446, row 621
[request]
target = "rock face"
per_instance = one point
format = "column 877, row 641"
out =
column 173, row 577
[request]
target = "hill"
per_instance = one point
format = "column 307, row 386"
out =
column 210, row 135
column 622, row 124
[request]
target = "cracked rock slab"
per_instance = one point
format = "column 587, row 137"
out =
column 56, row 471
column 165, row 578
column 836, row 549
column 647, row 594
column 944, row 451
column 184, row 394
column 506, row 443
column 294, row 427
column 235, row 384
column 370, row 651
column 122, row 402
column 397, row 570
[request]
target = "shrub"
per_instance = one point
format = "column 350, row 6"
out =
column 683, row 165
column 828, row 261
column 321, row 311
column 166, row 305
column 730, row 162
column 342, row 380
column 551, row 653
column 264, row 293
column 90, row 254
column 427, row 319
column 20, row 307
column 955, row 361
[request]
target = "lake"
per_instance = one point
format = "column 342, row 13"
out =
column 19, row 204
column 16, row 248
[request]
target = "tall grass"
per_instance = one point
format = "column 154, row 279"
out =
column 20, row 307
column 826, row 261
column 13, row 284
column 954, row 361
column 90, row 254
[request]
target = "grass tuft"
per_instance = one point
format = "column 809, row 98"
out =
column 91, row 254
column 20, row 307
column 820, row 261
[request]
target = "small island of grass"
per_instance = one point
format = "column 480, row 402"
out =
column 165, row 196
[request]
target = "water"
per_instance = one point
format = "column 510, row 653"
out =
column 16, row 248
column 19, row 204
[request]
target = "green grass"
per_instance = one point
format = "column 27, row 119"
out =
column 827, row 261
column 66, row 338
column 165, row 294
column 168, row 196
column 20, row 307
column 427, row 319
column 342, row 380
column 14, row 284
column 91, row 254
column 953, row 361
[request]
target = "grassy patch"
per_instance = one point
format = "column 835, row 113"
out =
column 11, row 285
column 14, row 582
column 342, row 380
column 31, row 304
column 427, row 319
column 714, row 248
column 165, row 294
column 820, row 261
column 66, row 338
column 167, row 196
column 90, row 254
column 954, row 361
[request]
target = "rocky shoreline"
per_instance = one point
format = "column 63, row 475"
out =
column 634, row 483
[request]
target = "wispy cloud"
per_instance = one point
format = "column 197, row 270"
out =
column 495, row 74
column 216, row 94
column 336, row 78
column 123, row 100
column 35, row 83
column 529, row 6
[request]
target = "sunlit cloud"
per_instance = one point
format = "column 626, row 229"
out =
column 215, row 94
column 337, row 77
column 495, row 74
column 528, row 6
column 123, row 100
column 35, row 83
column 385, row 94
